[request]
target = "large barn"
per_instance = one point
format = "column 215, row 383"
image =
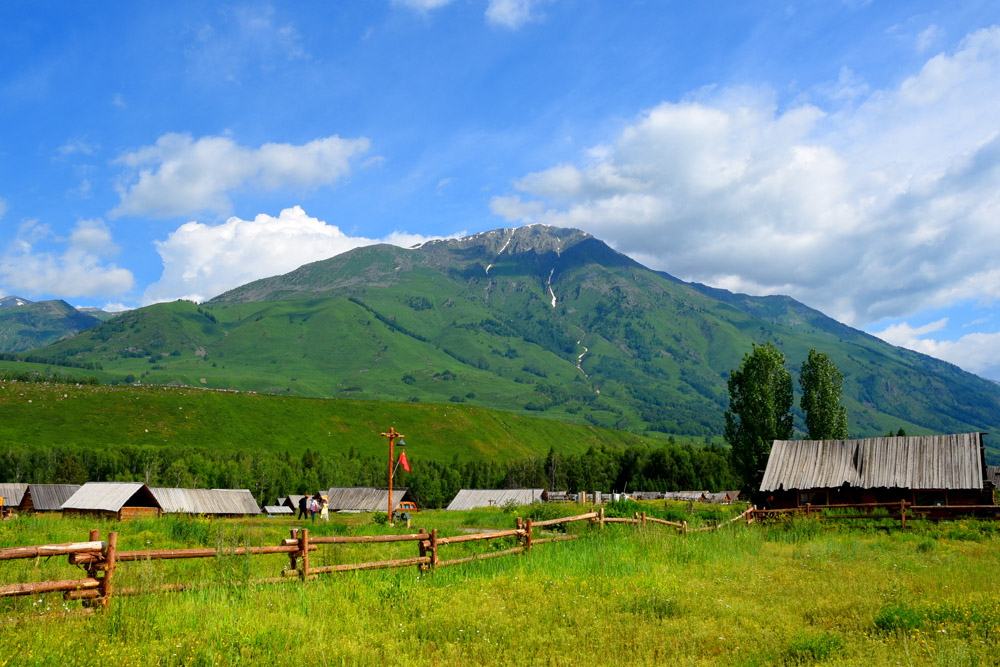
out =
column 365, row 498
column 468, row 499
column 923, row 470
column 208, row 502
column 46, row 497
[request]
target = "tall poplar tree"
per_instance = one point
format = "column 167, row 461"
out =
column 760, row 403
column 822, row 386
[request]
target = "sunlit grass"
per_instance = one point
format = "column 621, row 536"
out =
column 796, row 593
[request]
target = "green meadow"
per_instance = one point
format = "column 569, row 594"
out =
column 792, row 593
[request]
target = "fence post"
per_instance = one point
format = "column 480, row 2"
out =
column 527, row 536
column 601, row 518
column 422, row 543
column 304, row 548
column 808, row 508
column 109, row 569
column 684, row 527
column 643, row 519
column 291, row 556
column 902, row 512
column 434, row 547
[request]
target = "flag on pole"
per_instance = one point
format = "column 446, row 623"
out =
column 404, row 462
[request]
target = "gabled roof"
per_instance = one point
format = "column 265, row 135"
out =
column 467, row 499
column 913, row 462
column 50, row 497
column 993, row 475
column 205, row 501
column 291, row 501
column 364, row 498
column 12, row 492
column 111, row 496
column 278, row 509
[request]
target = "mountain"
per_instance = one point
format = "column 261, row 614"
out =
column 535, row 320
column 25, row 325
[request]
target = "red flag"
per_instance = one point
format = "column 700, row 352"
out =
column 404, row 462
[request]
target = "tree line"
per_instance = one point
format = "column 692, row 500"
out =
column 270, row 475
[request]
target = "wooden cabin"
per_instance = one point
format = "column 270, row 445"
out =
column 206, row 502
column 946, row 470
column 468, row 499
column 365, row 498
column 118, row 500
column 46, row 497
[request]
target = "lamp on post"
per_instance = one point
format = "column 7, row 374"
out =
column 393, row 436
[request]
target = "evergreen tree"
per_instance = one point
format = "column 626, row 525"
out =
column 822, row 383
column 760, row 403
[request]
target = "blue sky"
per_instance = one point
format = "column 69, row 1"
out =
column 844, row 153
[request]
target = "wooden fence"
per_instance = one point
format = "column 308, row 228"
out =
column 901, row 511
column 101, row 558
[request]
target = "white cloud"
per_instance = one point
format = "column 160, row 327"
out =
column 511, row 13
column 202, row 261
column 974, row 352
column 69, row 267
column 880, row 205
column 180, row 175
column 422, row 5
column 928, row 37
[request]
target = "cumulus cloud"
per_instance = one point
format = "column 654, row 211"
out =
column 70, row 267
column 876, row 205
column 202, row 261
column 975, row 352
column 179, row 175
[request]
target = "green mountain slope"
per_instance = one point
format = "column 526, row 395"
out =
column 535, row 320
column 25, row 325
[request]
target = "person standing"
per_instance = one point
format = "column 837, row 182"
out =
column 303, row 506
column 314, row 508
column 326, row 509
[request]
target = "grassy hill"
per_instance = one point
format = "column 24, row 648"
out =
column 92, row 417
column 534, row 320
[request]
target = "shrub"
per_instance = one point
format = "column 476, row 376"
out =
column 808, row 649
column 380, row 518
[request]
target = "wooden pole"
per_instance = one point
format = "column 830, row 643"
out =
column 304, row 547
column 292, row 563
column 644, row 519
column 601, row 519
column 527, row 529
column 434, row 548
column 685, row 528
column 902, row 513
column 422, row 544
column 109, row 569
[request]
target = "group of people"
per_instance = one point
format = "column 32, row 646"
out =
column 314, row 504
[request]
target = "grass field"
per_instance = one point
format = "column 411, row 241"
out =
column 795, row 593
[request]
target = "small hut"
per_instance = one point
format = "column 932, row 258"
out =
column 12, row 493
column 207, row 502
column 278, row 510
column 946, row 470
column 365, row 498
column 120, row 500
column 46, row 497
column 468, row 499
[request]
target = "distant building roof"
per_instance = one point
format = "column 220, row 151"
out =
column 687, row 496
column 722, row 497
column 49, row 497
column 993, row 475
column 364, row 498
column 278, row 509
column 467, row 499
column 205, row 501
column 911, row 462
column 110, row 496
column 12, row 492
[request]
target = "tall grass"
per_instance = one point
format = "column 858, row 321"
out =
column 797, row 593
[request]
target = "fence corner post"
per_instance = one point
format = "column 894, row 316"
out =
column 109, row 569
column 527, row 535
column 434, row 547
column 304, row 548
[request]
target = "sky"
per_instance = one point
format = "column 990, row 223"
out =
column 845, row 153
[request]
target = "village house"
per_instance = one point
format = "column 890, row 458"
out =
column 929, row 470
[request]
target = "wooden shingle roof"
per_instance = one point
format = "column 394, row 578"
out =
column 50, row 497
column 364, row 498
column 12, row 492
column 205, row 501
column 468, row 499
column 110, row 497
column 913, row 462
